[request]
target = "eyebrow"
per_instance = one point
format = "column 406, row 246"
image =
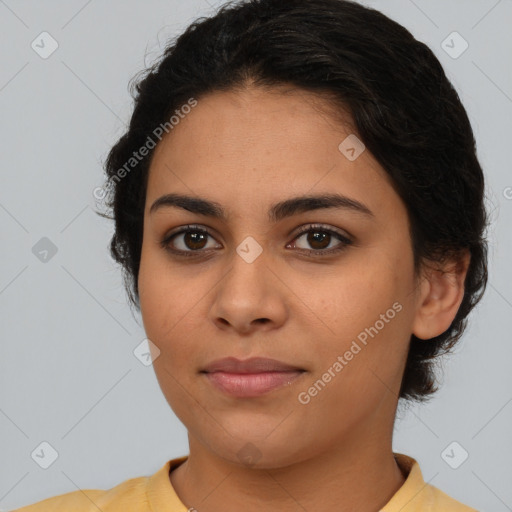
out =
column 277, row 212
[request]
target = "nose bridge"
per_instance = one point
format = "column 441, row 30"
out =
column 247, row 293
column 249, row 265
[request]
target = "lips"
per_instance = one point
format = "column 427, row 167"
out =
column 252, row 377
column 253, row 365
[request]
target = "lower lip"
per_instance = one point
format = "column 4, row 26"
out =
column 246, row 385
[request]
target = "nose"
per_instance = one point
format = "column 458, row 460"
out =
column 249, row 297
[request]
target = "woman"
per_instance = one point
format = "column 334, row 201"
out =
column 299, row 215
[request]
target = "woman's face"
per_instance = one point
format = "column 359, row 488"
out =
column 336, row 303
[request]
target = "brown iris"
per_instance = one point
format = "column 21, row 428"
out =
column 318, row 236
column 193, row 239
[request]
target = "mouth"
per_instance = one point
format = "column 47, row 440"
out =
column 250, row 378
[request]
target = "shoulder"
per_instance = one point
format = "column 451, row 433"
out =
column 417, row 495
column 128, row 496
column 439, row 500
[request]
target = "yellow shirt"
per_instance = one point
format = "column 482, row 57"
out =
column 156, row 494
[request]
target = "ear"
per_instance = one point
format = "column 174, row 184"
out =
column 441, row 293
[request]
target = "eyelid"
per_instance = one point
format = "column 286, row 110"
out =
column 344, row 238
column 188, row 227
column 167, row 238
column 305, row 228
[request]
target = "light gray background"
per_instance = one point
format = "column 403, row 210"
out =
column 68, row 373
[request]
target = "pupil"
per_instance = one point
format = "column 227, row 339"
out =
column 194, row 238
column 318, row 236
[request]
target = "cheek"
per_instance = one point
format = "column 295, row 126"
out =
column 362, row 312
column 170, row 303
column 158, row 296
column 354, row 297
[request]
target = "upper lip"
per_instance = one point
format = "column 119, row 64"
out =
column 252, row 365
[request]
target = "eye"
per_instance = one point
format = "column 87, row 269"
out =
column 320, row 237
column 193, row 240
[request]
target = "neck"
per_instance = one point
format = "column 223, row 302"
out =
column 348, row 477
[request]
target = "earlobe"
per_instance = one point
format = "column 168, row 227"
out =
column 441, row 293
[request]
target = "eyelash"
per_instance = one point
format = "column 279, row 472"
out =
column 305, row 229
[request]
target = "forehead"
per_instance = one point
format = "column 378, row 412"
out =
column 283, row 123
column 258, row 143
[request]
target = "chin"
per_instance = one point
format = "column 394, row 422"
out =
column 259, row 453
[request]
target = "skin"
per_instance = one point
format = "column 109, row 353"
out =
column 247, row 150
